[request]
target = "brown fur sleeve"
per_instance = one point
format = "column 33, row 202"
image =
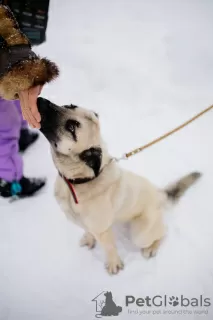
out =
column 21, row 68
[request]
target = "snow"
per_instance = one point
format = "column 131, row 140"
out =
column 145, row 67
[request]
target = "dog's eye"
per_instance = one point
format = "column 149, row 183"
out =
column 72, row 128
column 71, row 125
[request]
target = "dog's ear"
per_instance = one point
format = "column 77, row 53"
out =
column 92, row 116
column 70, row 106
column 92, row 158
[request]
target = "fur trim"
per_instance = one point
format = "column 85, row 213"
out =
column 9, row 28
column 26, row 72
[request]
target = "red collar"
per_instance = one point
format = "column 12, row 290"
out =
column 71, row 182
column 70, row 186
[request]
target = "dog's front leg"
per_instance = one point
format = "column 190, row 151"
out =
column 113, row 261
column 88, row 240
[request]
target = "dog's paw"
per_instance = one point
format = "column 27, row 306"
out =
column 113, row 266
column 152, row 250
column 149, row 253
column 88, row 240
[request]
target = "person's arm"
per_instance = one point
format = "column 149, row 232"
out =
column 22, row 72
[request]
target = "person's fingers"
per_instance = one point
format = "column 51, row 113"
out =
column 40, row 88
column 22, row 99
column 24, row 107
column 25, row 102
column 31, row 120
column 33, row 95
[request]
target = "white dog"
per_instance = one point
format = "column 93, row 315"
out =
column 94, row 192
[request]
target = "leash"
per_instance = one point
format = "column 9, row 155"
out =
column 164, row 136
column 70, row 183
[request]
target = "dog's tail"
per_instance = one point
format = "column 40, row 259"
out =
column 177, row 189
column 119, row 309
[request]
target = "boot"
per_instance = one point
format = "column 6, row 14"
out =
column 27, row 138
column 25, row 187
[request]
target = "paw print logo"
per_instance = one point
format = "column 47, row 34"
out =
column 173, row 301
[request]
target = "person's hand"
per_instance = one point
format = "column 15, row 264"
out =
column 28, row 102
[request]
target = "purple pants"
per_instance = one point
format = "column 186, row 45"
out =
column 11, row 122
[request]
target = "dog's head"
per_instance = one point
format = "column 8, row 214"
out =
column 74, row 135
column 108, row 295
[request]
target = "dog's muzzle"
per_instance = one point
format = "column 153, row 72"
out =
column 50, row 115
column 43, row 105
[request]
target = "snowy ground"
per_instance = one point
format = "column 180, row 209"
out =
column 144, row 66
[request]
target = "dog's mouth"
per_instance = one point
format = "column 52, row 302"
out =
column 55, row 145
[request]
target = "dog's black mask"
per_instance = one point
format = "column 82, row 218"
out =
column 93, row 158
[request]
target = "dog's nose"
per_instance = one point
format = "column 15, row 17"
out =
column 43, row 105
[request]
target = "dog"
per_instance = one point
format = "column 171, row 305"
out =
column 110, row 308
column 95, row 192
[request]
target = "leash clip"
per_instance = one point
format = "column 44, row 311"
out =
column 123, row 157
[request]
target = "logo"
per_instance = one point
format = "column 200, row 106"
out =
column 165, row 301
column 105, row 305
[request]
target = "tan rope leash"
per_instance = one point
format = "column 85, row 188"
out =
column 164, row 136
